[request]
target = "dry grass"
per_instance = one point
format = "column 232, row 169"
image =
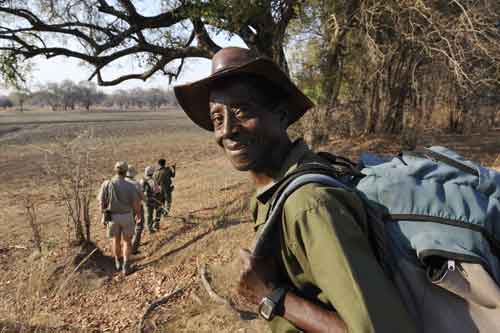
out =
column 209, row 223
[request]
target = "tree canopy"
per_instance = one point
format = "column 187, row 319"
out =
column 159, row 34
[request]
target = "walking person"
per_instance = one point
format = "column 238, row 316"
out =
column 119, row 202
column 139, row 227
column 151, row 192
column 163, row 177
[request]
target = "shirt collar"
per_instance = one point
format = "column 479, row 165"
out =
column 292, row 160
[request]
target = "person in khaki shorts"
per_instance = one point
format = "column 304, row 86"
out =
column 120, row 200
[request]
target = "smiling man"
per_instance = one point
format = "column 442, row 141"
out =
column 319, row 273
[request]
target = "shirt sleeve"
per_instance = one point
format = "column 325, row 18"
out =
column 328, row 242
column 102, row 195
column 136, row 194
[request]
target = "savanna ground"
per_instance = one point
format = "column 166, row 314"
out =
column 209, row 222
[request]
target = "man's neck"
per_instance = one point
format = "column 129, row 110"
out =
column 264, row 177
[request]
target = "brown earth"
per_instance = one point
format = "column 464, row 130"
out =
column 209, row 223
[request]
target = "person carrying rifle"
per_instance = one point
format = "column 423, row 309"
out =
column 163, row 177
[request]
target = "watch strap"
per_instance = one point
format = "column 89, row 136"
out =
column 276, row 298
column 277, row 295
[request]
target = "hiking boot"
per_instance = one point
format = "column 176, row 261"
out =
column 118, row 263
column 125, row 268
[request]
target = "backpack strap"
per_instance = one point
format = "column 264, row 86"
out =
column 282, row 193
column 376, row 233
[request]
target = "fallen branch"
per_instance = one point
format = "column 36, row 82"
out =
column 245, row 315
column 18, row 247
column 213, row 295
column 232, row 186
column 154, row 305
column 201, row 209
column 74, row 271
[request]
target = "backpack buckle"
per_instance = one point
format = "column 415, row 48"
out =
column 451, row 265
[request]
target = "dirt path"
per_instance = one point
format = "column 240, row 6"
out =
column 209, row 223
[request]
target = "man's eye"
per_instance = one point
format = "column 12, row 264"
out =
column 217, row 120
column 241, row 113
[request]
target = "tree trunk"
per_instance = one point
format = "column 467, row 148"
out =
column 331, row 78
column 374, row 110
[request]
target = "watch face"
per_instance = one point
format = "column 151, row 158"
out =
column 266, row 308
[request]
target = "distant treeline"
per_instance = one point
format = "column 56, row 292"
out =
column 69, row 95
column 370, row 66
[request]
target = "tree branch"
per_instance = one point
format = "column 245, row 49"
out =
column 111, row 30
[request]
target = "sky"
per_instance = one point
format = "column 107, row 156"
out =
column 62, row 68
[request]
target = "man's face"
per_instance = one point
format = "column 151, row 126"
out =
column 244, row 126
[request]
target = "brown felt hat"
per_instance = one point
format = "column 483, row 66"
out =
column 194, row 97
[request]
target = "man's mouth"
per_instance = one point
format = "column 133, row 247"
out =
column 235, row 146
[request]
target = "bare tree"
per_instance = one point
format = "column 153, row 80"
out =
column 88, row 94
column 5, row 102
column 19, row 98
column 120, row 98
column 30, row 206
column 102, row 32
column 70, row 94
column 49, row 94
column 408, row 41
column 70, row 166
column 155, row 98
column 394, row 59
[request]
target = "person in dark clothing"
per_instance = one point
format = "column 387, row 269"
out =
column 151, row 202
column 163, row 177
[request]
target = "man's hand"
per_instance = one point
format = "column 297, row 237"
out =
column 257, row 277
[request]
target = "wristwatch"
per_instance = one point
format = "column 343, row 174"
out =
column 272, row 304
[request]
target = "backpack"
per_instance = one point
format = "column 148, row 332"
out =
column 153, row 192
column 163, row 177
column 434, row 227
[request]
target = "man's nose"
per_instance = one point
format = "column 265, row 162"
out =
column 230, row 125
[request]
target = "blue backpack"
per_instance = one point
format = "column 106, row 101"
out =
column 434, row 226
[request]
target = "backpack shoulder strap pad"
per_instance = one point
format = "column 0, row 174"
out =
column 279, row 199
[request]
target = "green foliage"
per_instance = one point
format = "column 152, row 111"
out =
column 13, row 71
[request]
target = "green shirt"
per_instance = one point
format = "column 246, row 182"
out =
column 163, row 176
column 326, row 256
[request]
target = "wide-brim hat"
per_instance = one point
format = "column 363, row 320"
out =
column 131, row 172
column 231, row 61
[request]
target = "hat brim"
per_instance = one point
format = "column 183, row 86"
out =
column 194, row 97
